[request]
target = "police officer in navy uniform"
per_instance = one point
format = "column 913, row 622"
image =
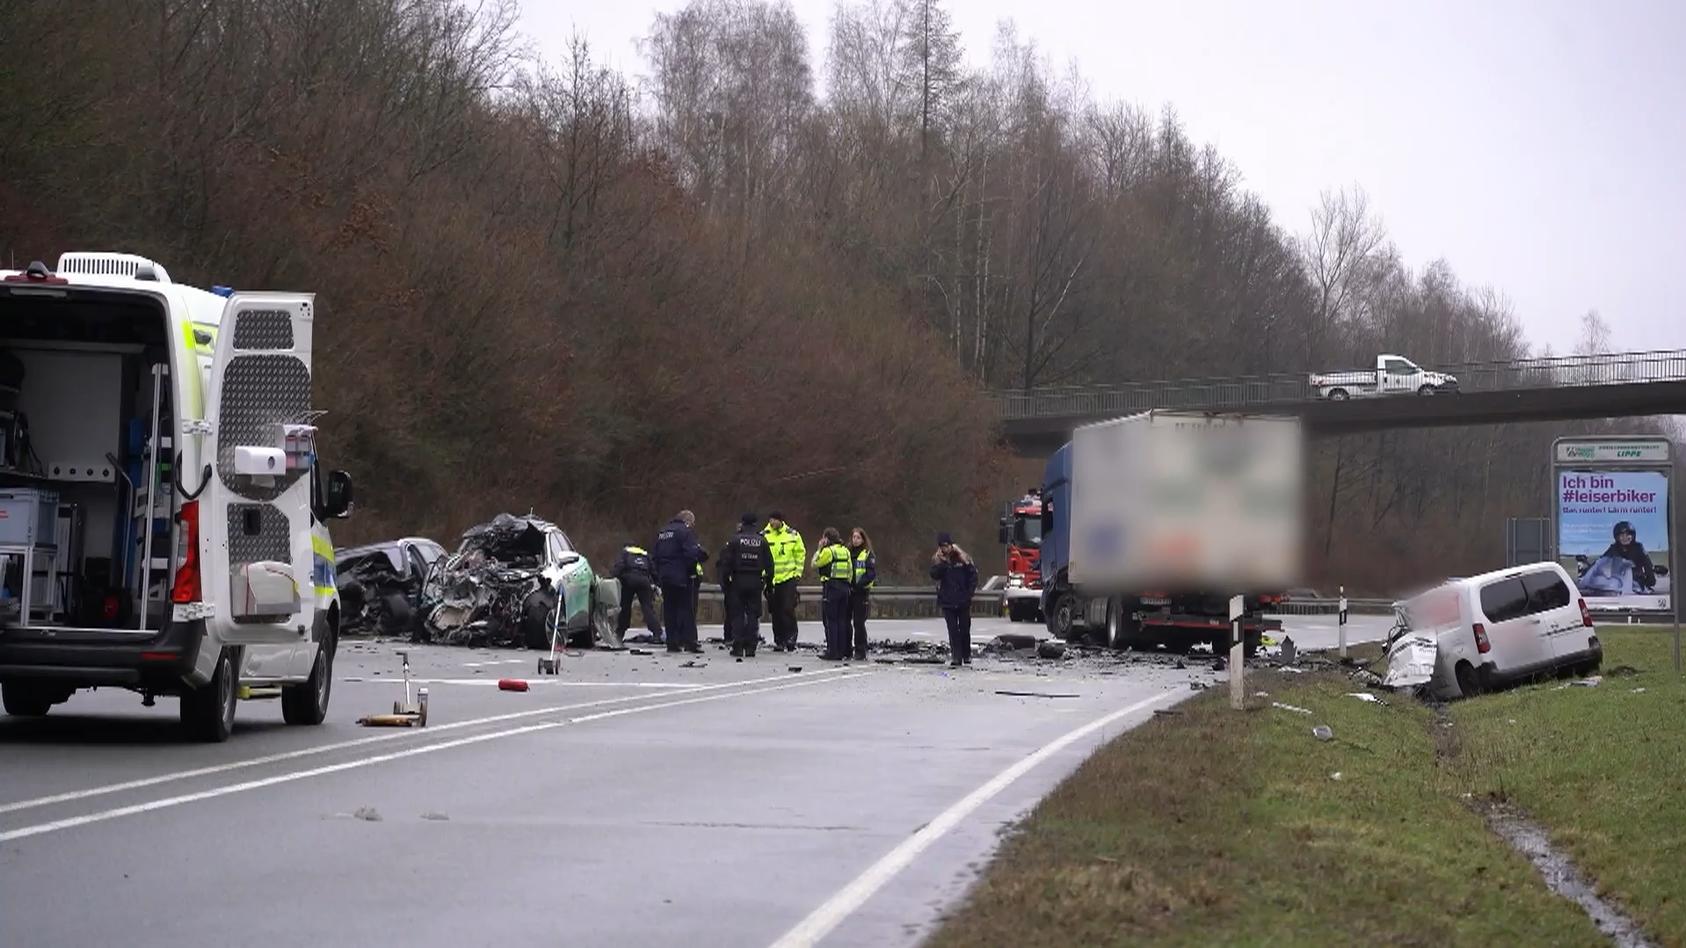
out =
column 751, row 570
column 637, row 573
column 677, row 555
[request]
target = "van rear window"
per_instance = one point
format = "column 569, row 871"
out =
column 1503, row 600
column 1546, row 591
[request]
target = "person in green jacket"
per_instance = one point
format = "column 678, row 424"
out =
column 790, row 558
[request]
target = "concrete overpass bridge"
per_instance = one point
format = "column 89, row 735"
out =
column 1609, row 385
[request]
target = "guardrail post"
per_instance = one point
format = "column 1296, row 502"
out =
column 1237, row 656
column 1341, row 621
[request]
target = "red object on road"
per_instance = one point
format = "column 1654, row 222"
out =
column 511, row 684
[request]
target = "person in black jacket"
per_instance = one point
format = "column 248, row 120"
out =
column 957, row 579
column 677, row 556
column 748, row 563
column 1628, row 547
column 637, row 573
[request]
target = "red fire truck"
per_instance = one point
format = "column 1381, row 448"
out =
column 1021, row 533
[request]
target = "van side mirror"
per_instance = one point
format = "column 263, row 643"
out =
column 337, row 505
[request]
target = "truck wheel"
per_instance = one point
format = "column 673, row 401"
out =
column 207, row 714
column 1063, row 616
column 537, row 613
column 25, row 699
column 307, row 704
column 1338, row 395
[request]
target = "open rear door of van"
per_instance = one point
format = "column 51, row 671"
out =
column 255, row 513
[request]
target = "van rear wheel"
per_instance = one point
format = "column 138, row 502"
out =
column 1338, row 395
column 307, row 704
column 207, row 713
column 1469, row 680
column 25, row 699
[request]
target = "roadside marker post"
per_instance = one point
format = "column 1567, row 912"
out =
column 1341, row 621
column 1237, row 656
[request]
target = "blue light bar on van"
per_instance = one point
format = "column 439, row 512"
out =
column 223, row 290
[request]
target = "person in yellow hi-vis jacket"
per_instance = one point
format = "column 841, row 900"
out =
column 835, row 564
column 790, row 558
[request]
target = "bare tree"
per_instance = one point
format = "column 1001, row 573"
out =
column 1341, row 256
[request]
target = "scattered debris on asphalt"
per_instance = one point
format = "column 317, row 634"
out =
column 1051, row 648
column 1323, row 732
column 1036, row 694
column 1012, row 641
column 693, row 663
column 511, row 684
column 1289, row 707
column 795, row 668
column 1220, row 663
column 368, row 814
column 1198, row 686
column 641, row 651
column 437, row 817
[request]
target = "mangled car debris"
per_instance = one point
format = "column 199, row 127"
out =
column 380, row 585
column 514, row 581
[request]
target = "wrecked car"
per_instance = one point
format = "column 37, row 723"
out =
column 1471, row 635
column 513, row 581
column 381, row 584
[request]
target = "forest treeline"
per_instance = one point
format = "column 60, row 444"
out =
column 738, row 278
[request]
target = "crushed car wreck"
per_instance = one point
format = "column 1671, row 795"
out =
column 380, row 585
column 511, row 582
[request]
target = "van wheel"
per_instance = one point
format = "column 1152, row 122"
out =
column 24, row 699
column 307, row 704
column 1426, row 390
column 537, row 613
column 207, row 713
column 1338, row 395
column 1469, row 680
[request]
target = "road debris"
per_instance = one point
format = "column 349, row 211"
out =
column 511, row 684
column 1289, row 707
column 1198, row 686
column 1323, row 732
column 1637, row 691
column 368, row 814
column 1288, row 653
column 1036, row 694
column 1592, row 682
column 795, row 668
column 436, row 817
column 1051, row 648
column 640, row 651
column 1365, row 696
column 1012, row 641
column 1335, row 776
column 1291, row 671
column 693, row 663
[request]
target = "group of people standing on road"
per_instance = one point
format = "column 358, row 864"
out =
column 766, row 563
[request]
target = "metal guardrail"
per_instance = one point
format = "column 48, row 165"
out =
column 1616, row 368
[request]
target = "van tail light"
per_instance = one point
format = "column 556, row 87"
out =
column 1586, row 614
column 187, row 586
column 1481, row 644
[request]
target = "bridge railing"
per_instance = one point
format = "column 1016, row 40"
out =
column 1281, row 389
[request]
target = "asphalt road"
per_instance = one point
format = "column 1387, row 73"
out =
column 631, row 800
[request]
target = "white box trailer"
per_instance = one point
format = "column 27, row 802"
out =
column 1153, row 521
column 205, row 565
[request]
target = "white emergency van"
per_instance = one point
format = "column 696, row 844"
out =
column 162, row 511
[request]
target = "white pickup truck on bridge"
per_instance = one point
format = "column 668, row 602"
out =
column 1393, row 375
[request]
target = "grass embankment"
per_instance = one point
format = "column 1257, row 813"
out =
column 1604, row 769
column 1211, row 826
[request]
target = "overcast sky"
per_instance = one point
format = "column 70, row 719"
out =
column 1537, row 145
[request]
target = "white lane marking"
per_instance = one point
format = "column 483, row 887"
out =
column 822, row 920
column 165, row 802
column 496, row 661
column 70, row 795
column 554, row 682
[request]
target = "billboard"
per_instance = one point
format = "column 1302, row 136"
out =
column 1613, row 534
